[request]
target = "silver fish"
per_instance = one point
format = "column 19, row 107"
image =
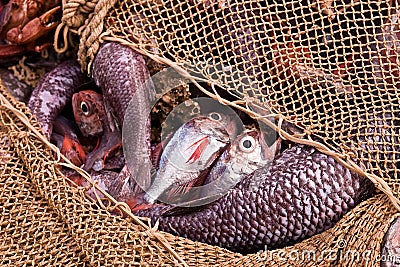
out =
column 247, row 153
column 191, row 150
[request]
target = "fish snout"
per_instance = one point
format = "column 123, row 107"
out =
column 221, row 134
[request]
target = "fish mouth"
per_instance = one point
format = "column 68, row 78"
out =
column 221, row 134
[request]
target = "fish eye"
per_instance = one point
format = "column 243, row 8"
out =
column 195, row 110
column 85, row 108
column 247, row 144
column 215, row 116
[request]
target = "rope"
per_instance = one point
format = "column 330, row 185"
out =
column 25, row 120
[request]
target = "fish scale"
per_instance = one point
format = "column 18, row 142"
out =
column 120, row 72
column 53, row 92
column 269, row 209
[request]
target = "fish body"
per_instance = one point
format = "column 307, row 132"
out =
column 53, row 92
column 247, row 153
column 191, row 150
column 128, row 90
column 91, row 116
column 302, row 193
column 122, row 74
column 89, row 113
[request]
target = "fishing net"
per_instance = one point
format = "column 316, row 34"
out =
column 47, row 222
column 327, row 67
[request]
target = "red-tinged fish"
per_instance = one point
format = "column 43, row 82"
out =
column 89, row 112
column 64, row 134
column 192, row 149
column 94, row 120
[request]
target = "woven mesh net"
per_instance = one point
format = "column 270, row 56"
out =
column 327, row 67
column 46, row 222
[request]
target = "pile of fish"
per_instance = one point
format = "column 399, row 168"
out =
column 213, row 182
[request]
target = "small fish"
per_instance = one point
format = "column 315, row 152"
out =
column 89, row 112
column 192, row 149
column 94, row 120
column 247, row 153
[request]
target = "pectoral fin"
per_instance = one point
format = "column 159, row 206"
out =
column 201, row 146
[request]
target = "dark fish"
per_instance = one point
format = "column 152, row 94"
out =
column 303, row 193
column 127, row 89
column 53, row 92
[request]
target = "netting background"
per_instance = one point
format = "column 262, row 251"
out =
column 328, row 67
column 46, row 222
column 332, row 72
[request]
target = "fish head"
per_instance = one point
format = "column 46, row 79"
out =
column 249, row 151
column 191, row 151
column 89, row 112
column 221, row 126
column 228, row 121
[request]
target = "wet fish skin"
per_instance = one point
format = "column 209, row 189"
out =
column 53, row 92
column 128, row 90
column 303, row 193
column 191, row 150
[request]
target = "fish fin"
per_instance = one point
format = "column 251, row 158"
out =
column 188, row 207
column 156, row 155
column 73, row 150
column 211, row 178
column 138, row 203
column 201, row 146
column 181, row 190
column 109, row 144
column 112, row 149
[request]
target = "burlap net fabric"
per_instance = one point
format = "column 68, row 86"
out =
column 45, row 221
